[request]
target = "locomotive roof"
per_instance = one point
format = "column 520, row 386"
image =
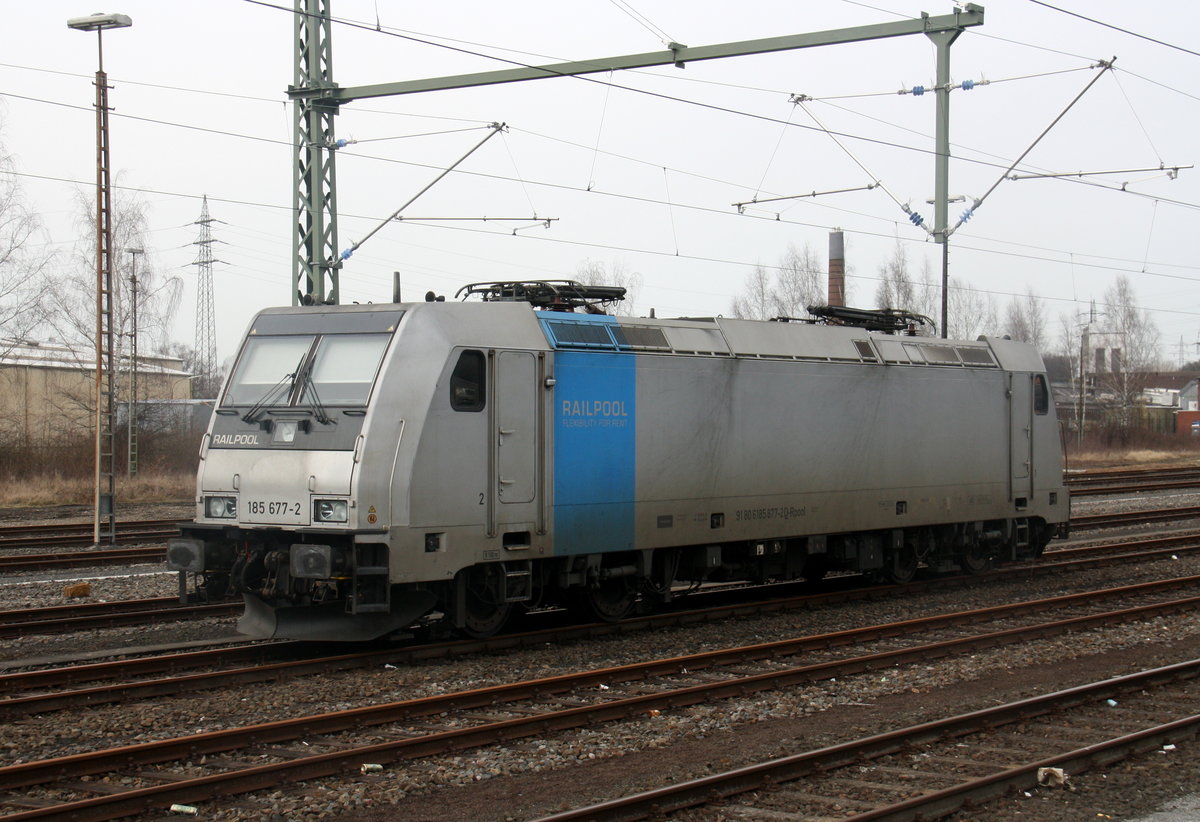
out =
column 507, row 324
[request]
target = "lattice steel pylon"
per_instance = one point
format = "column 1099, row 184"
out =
column 206, row 326
column 315, row 276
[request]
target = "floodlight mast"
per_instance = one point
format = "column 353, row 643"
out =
column 104, row 497
column 317, row 99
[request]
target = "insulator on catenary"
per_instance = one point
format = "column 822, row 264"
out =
column 915, row 218
column 917, row 91
column 345, row 255
column 967, row 215
column 967, row 85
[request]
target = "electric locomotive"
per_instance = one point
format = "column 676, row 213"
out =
column 375, row 468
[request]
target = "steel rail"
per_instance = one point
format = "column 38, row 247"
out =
column 82, row 559
column 1087, row 521
column 80, row 533
column 662, row 801
column 528, row 724
column 117, row 618
column 1125, row 475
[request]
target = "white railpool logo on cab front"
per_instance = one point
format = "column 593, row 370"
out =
column 235, row 439
column 593, row 413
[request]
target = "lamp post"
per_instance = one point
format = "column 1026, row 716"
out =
column 132, row 429
column 105, row 485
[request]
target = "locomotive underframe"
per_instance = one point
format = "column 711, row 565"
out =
column 336, row 585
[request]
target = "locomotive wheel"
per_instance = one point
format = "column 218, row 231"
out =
column 483, row 611
column 975, row 560
column 903, row 566
column 610, row 601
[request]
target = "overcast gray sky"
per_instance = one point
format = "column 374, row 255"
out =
column 642, row 181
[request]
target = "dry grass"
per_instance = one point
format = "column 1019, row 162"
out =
column 1133, row 458
column 156, row 487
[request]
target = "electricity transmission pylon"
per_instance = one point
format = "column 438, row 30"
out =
column 206, row 328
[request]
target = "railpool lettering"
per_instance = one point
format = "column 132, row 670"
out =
column 235, row 439
column 593, row 408
column 593, row 414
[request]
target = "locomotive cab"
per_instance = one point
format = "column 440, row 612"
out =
column 277, row 516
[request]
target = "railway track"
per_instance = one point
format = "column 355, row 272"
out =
column 90, row 616
column 1134, row 475
column 1102, row 483
column 153, row 775
column 82, row 533
column 83, row 559
column 277, row 660
column 930, row 770
column 67, row 618
column 1089, row 521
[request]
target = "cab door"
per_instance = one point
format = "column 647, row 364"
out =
column 515, row 435
column 1020, row 436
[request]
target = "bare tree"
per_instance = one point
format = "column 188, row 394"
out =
column 900, row 288
column 617, row 273
column 755, row 302
column 74, row 311
column 24, row 288
column 797, row 283
column 970, row 313
column 1025, row 320
column 800, row 282
column 1133, row 344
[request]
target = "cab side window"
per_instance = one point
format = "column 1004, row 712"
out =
column 1041, row 395
column 468, row 382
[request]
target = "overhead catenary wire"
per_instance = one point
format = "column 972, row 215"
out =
column 1072, row 261
column 1104, row 67
column 643, row 21
column 761, row 117
column 1117, row 28
column 345, row 255
column 631, row 198
column 915, row 219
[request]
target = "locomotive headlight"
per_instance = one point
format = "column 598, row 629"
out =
column 220, row 507
column 330, row 510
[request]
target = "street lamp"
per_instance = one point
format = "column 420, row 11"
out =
column 105, row 486
column 132, row 427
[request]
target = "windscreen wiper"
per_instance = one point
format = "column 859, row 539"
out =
column 309, row 386
column 275, row 392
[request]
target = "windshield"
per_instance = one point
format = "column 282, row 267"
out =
column 344, row 369
column 340, row 371
column 267, row 362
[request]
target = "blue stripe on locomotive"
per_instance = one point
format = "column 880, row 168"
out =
column 595, row 448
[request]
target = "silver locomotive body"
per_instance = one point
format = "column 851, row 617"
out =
column 374, row 466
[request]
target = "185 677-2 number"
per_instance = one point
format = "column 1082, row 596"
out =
column 273, row 508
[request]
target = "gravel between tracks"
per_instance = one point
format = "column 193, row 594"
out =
column 532, row 778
